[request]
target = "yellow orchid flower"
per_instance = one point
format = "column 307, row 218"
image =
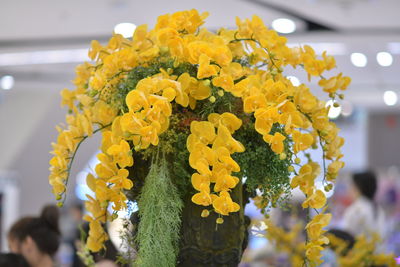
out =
column 131, row 123
column 335, row 83
column 334, row 167
column 301, row 141
column 204, row 130
column 149, row 135
column 121, row 180
column 265, row 118
column 223, row 204
column 200, row 181
column 275, row 141
column 254, row 102
column 121, row 154
column 223, row 155
column 305, row 99
column 68, row 98
column 94, row 50
column 203, row 198
column 201, row 152
column 205, row 69
column 103, row 113
column 222, row 54
column 224, row 81
column 317, row 200
column 227, row 119
column 225, row 182
column 316, row 225
column 106, row 168
column 136, row 100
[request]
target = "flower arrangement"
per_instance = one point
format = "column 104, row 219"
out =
column 183, row 110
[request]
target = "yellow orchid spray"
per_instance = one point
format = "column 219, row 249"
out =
column 218, row 108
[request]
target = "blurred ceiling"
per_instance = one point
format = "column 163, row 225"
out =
column 339, row 26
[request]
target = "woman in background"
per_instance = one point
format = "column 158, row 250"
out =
column 364, row 216
column 37, row 238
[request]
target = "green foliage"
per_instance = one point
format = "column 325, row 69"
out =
column 262, row 167
column 159, row 211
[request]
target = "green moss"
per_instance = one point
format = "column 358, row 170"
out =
column 160, row 218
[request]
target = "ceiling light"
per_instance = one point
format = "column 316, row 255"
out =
column 384, row 59
column 334, row 112
column 295, row 81
column 358, row 59
column 7, row 82
column 390, row 98
column 284, row 25
column 125, row 29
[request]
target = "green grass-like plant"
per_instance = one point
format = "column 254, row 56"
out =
column 160, row 218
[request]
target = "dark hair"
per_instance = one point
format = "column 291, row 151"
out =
column 366, row 183
column 43, row 230
column 12, row 260
column 346, row 237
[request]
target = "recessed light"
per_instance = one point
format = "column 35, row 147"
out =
column 359, row 59
column 7, row 82
column 284, row 25
column 384, row 59
column 125, row 29
column 390, row 98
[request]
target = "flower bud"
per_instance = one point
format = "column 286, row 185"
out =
column 205, row 213
column 206, row 82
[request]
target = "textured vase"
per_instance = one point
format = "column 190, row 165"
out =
column 205, row 243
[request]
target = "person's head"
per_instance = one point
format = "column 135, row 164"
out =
column 35, row 237
column 12, row 260
column 365, row 184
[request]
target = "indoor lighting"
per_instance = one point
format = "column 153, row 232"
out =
column 358, row 59
column 7, row 82
column 284, row 25
column 125, row 29
column 294, row 80
column 384, row 59
column 390, row 98
column 334, row 112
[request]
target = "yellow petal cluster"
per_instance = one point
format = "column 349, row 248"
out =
column 210, row 155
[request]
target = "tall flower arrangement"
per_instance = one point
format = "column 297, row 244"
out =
column 218, row 103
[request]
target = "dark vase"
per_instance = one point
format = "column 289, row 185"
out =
column 203, row 242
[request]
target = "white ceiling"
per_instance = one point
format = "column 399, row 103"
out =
column 357, row 26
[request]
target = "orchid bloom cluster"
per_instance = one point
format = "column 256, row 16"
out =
column 246, row 64
column 362, row 253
